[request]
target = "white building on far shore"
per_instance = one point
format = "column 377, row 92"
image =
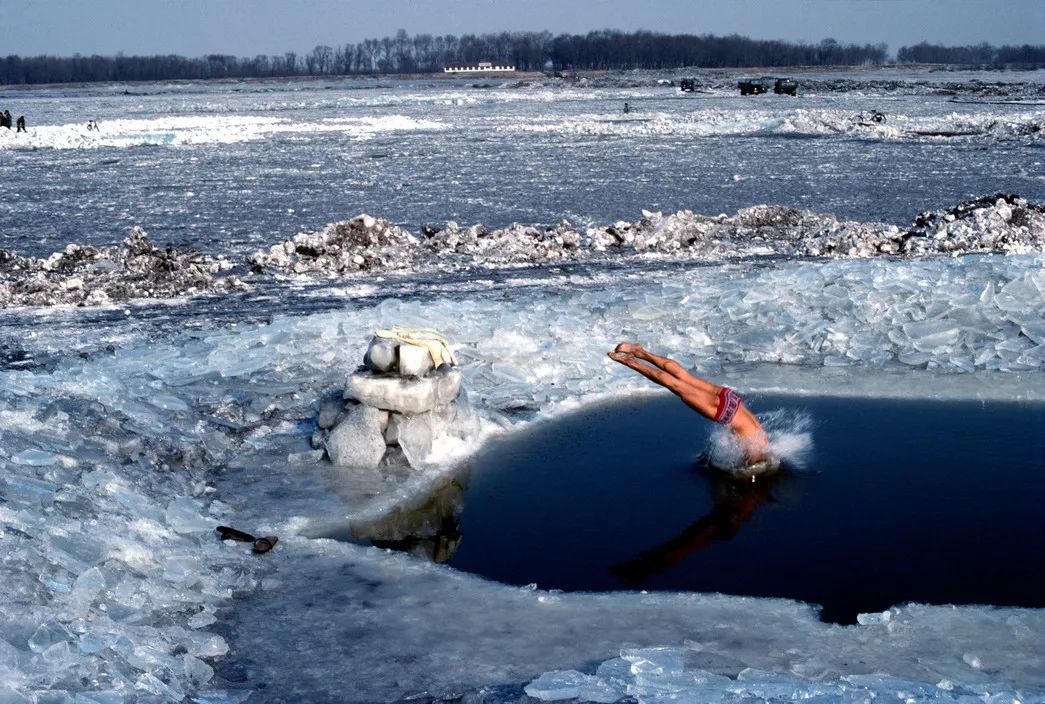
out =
column 479, row 67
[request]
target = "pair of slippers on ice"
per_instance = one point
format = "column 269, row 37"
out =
column 260, row 544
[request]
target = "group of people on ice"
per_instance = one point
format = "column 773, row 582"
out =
column 5, row 121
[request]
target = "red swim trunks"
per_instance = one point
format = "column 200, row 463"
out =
column 728, row 405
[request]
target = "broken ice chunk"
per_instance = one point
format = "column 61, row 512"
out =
column 25, row 490
column 197, row 671
column 381, row 355
column 169, row 403
column 207, row 645
column 150, row 683
column 358, row 440
column 48, row 634
column 35, row 458
column 183, row 516
column 765, row 685
column 560, row 684
column 1019, row 296
column 183, row 571
column 649, row 660
column 202, row 619
column 329, row 409
column 934, row 336
column 415, row 435
column 402, row 395
column 76, row 552
column 91, row 643
column 414, row 360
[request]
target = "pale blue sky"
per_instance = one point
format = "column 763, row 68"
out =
column 249, row 27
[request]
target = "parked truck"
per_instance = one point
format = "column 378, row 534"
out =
column 758, row 86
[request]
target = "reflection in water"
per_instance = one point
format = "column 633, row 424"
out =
column 428, row 526
column 734, row 502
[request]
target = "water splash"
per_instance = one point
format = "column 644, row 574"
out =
column 790, row 441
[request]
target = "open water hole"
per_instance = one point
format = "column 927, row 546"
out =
column 920, row 501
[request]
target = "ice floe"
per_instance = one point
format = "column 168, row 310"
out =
column 720, row 122
column 195, row 130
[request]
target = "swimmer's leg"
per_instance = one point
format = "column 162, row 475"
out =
column 703, row 402
column 668, row 365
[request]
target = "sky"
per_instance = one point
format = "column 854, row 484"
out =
column 251, row 27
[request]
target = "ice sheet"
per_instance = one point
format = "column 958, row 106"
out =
column 195, row 130
column 117, row 466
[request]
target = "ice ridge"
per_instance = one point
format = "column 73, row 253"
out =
column 89, row 276
column 83, row 275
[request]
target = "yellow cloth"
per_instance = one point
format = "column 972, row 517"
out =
column 437, row 345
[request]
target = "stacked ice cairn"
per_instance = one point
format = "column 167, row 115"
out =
column 401, row 400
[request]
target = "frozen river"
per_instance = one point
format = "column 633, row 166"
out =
column 227, row 168
column 130, row 429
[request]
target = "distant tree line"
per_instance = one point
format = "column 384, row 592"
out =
column 528, row 51
column 981, row 54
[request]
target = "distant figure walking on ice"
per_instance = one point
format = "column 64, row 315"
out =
column 720, row 404
column 21, row 124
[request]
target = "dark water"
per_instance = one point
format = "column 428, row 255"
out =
column 900, row 501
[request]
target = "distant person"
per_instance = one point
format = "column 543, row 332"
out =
column 21, row 124
column 720, row 404
column 627, row 108
column 5, row 119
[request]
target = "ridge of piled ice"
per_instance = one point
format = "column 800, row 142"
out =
column 85, row 275
column 1002, row 223
column 360, row 244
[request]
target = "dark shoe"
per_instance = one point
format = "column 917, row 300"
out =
column 227, row 533
column 265, row 544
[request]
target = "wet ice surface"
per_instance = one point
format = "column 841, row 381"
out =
column 129, row 430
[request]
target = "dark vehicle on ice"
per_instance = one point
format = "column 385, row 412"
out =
column 752, row 86
column 688, row 85
column 760, row 86
column 785, row 86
